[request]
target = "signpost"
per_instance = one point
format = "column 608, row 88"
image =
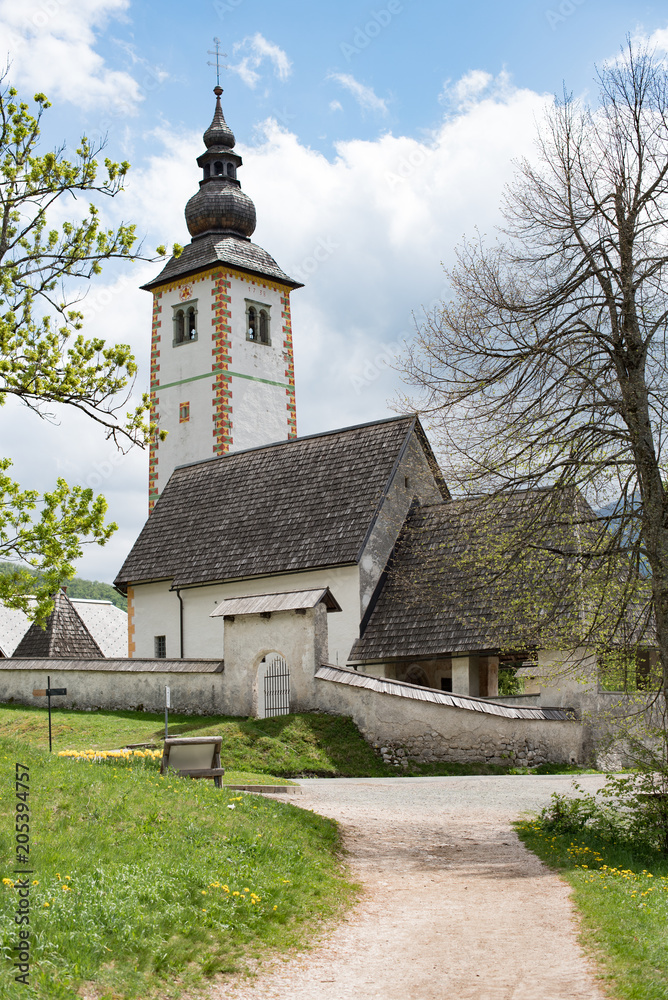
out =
column 166, row 711
column 49, row 692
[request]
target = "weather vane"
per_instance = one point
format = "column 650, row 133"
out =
column 217, row 54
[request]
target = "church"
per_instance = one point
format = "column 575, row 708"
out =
column 277, row 573
column 239, row 504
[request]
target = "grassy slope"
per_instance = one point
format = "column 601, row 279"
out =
column 289, row 745
column 623, row 898
column 151, row 867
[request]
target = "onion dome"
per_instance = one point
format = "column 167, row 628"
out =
column 220, row 206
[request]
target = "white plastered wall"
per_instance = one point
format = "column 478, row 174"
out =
column 259, row 408
column 156, row 611
column 421, row 484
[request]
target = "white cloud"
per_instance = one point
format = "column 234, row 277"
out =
column 365, row 96
column 258, row 49
column 473, row 87
column 659, row 38
column 335, row 106
column 367, row 230
column 51, row 48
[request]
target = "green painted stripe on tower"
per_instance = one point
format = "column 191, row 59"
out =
column 195, row 378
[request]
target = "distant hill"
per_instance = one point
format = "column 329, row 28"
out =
column 92, row 589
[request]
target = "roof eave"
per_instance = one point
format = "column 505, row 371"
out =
column 189, row 272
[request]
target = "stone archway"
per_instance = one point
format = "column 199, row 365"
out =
column 416, row 675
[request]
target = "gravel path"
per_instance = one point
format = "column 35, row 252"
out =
column 453, row 905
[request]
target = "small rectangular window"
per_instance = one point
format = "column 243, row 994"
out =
column 160, row 647
column 407, row 483
column 184, row 413
column 446, row 683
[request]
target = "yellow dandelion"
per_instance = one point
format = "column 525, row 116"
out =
column 45, row 904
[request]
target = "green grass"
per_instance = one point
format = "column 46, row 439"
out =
column 286, row 746
column 289, row 746
column 134, row 867
column 623, row 898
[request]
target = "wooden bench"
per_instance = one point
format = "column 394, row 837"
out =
column 193, row 757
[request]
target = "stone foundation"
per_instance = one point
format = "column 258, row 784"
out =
column 433, row 749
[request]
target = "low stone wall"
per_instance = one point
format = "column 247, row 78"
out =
column 196, row 686
column 411, row 727
column 403, row 723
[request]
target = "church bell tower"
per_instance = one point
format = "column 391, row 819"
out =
column 222, row 369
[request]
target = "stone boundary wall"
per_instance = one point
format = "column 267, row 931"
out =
column 191, row 692
column 401, row 728
column 404, row 729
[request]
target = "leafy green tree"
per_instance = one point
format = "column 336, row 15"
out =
column 45, row 358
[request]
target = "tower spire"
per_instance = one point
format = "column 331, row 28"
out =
column 220, row 206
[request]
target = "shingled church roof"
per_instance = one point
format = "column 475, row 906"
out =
column 232, row 251
column 65, row 635
column 290, row 506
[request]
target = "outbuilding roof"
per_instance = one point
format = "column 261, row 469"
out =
column 234, row 251
column 65, row 634
column 459, row 566
column 107, row 624
column 262, row 604
column 295, row 505
column 13, row 626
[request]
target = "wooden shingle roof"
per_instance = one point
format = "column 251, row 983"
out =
column 295, row 505
column 451, row 583
column 233, row 251
column 65, row 635
column 400, row 689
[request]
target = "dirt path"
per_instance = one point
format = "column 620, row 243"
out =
column 453, row 906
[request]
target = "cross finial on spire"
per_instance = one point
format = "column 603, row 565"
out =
column 217, row 53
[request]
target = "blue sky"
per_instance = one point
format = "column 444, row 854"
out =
column 385, row 132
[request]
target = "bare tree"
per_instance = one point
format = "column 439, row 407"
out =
column 548, row 367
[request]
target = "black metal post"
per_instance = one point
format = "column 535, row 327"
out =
column 48, row 697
